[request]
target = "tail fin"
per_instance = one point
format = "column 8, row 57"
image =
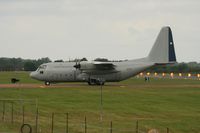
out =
column 163, row 50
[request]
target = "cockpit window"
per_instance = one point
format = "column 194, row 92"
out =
column 42, row 67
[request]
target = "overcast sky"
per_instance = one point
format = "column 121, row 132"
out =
column 113, row 29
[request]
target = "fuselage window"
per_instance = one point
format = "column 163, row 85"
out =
column 41, row 72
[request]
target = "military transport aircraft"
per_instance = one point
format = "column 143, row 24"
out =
column 97, row 73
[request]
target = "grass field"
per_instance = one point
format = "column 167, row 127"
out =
column 161, row 103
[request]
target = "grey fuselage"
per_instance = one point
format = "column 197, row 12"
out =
column 162, row 52
column 66, row 72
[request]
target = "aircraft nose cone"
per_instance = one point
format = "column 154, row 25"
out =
column 32, row 75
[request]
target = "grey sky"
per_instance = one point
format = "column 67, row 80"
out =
column 114, row 29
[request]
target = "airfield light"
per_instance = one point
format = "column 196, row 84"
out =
column 189, row 74
column 155, row 74
column 141, row 74
column 172, row 74
column 148, row 73
column 180, row 74
column 163, row 74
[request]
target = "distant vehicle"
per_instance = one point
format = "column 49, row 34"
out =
column 97, row 73
column 14, row 80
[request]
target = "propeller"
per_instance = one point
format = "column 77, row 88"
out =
column 77, row 65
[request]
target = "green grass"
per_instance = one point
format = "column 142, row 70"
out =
column 5, row 77
column 161, row 103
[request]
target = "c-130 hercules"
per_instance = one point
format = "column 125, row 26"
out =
column 98, row 73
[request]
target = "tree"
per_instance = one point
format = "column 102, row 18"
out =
column 29, row 66
column 101, row 59
column 41, row 61
column 84, row 59
column 58, row 61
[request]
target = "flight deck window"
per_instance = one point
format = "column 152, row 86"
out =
column 42, row 67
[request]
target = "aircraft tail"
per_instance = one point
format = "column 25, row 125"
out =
column 163, row 51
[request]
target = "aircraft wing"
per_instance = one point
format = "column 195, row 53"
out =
column 98, row 68
column 104, row 66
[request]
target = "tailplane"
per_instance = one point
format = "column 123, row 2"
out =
column 163, row 51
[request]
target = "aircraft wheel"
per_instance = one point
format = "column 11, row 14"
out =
column 47, row 83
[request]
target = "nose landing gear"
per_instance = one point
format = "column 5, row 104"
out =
column 47, row 83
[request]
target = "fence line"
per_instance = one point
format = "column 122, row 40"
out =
column 67, row 126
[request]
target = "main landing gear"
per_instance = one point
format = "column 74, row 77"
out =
column 96, row 82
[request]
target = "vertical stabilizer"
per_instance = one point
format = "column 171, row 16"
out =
column 163, row 51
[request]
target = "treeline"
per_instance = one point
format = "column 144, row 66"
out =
column 191, row 67
column 19, row 64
